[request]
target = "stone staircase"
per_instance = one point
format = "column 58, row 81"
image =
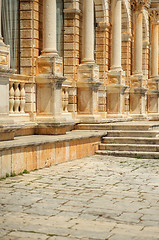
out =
column 129, row 139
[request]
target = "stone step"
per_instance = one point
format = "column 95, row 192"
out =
column 120, row 133
column 129, row 147
column 130, row 140
column 133, row 154
column 118, row 126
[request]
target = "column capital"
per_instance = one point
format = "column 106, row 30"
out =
column 138, row 5
column 154, row 16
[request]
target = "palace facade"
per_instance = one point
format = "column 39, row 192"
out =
column 78, row 60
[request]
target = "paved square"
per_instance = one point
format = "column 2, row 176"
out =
column 98, row 197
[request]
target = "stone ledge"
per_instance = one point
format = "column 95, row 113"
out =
column 35, row 152
column 35, row 140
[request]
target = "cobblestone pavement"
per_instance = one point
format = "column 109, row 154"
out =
column 99, row 197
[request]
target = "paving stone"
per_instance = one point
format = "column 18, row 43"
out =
column 98, row 198
column 27, row 235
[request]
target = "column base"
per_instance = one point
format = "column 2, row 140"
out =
column 8, row 129
column 137, row 96
column 49, row 81
column 89, row 118
column 49, row 125
column 115, row 93
column 49, row 64
column 51, row 128
column 87, row 90
column 117, row 115
column 153, row 96
column 153, row 116
column 138, row 117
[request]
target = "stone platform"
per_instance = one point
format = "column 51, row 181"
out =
column 94, row 198
column 39, row 151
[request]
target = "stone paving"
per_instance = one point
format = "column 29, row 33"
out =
column 98, row 197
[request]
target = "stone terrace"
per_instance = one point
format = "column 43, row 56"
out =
column 98, row 197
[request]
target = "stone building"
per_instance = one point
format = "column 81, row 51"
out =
column 72, row 61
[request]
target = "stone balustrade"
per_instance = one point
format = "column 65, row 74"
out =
column 16, row 97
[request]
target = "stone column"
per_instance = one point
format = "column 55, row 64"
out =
column 88, row 33
column 154, row 15
column 153, row 82
column 50, row 26
column 88, row 72
column 138, row 81
column 138, row 40
column 49, row 77
column 116, row 34
column 116, row 77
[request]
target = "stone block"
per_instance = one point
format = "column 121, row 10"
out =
column 26, row 71
column 30, row 107
column 26, row 52
column 60, row 152
column 31, row 158
column 72, row 150
column 41, row 156
column 6, row 162
column 152, row 103
column 26, row 62
column 51, row 130
column 26, row 24
column 26, row 14
column 18, row 160
column 25, row 6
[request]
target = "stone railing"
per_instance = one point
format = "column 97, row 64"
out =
column 16, row 97
column 22, row 95
column 65, row 99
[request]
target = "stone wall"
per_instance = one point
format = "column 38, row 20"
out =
column 29, row 35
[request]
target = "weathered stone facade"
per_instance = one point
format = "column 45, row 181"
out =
column 110, row 60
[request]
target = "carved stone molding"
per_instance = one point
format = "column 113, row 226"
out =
column 138, row 5
column 154, row 16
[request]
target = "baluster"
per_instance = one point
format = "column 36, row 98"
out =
column 11, row 97
column 22, row 97
column 63, row 100
column 66, row 100
column 16, row 98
